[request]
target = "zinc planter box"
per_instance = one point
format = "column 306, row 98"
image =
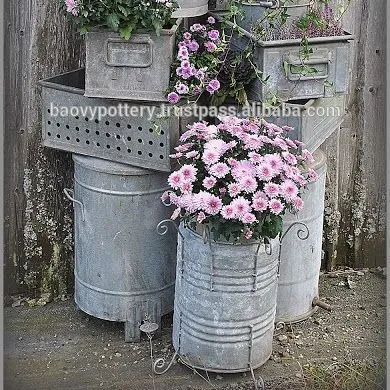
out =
column 135, row 69
column 300, row 259
column 317, row 120
column 280, row 60
column 191, row 8
column 313, row 120
column 225, row 302
column 129, row 138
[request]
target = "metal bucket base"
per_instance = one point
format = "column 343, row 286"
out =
column 203, row 368
column 135, row 315
column 297, row 319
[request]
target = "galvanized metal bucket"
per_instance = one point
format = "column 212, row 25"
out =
column 124, row 133
column 124, row 270
column 191, row 8
column 300, row 259
column 135, row 69
column 256, row 11
column 224, row 303
column 279, row 60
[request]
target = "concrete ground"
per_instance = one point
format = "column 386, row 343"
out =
column 59, row 347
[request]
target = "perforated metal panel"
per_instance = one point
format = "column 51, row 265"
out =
column 128, row 139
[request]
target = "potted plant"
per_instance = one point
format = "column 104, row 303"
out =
column 207, row 67
column 129, row 46
column 308, row 58
column 234, row 184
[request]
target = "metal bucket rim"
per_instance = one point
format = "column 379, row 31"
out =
column 109, row 167
column 198, row 236
column 164, row 31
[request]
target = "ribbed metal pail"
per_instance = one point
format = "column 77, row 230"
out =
column 224, row 303
column 124, row 269
column 191, row 8
column 300, row 260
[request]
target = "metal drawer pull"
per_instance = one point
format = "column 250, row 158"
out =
column 70, row 195
column 322, row 73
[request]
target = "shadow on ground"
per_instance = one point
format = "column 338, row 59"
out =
column 59, row 347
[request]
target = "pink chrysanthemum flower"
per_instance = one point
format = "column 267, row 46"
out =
column 307, row 156
column 212, row 205
column 228, row 212
column 72, row 6
column 259, row 195
column 175, row 180
column 243, row 168
column 248, row 184
column 288, row 190
column 248, row 233
column 275, row 161
column 186, row 188
column 201, row 217
column 312, row 175
column 241, row 206
column 265, row 172
column 289, row 158
column 234, row 189
column 192, row 154
column 248, row 218
column 219, row 170
column 232, row 162
column 255, row 157
column 209, row 182
column 271, row 190
column 276, row 206
column 210, row 157
column 298, row 203
column 260, row 204
column 188, row 172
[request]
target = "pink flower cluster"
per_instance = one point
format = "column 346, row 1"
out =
column 200, row 45
column 72, row 6
column 238, row 172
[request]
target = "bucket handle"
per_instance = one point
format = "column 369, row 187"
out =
column 269, row 4
column 70, row 195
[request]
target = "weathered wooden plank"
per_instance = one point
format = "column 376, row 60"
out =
column 358, row 240
column 39, row 42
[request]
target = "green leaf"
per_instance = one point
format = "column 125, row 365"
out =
column 273, row 226
column 125, row 11
column 157, row 27
column 84, row 29
column 126, row 31
column 286, row 68
column 217, row 99
column 113, row 21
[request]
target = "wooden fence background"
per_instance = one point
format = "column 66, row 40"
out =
column 39, row 42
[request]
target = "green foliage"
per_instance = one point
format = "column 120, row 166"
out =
column 123, row 16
